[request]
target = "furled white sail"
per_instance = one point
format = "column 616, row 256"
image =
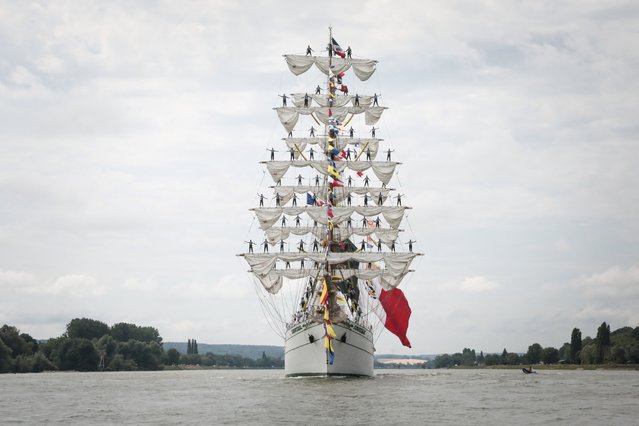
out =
column 383, row 169
column 396, row 265
column 299, row 64
column 267, row 216
column 340, row 143
column 290, row 115
column 286, row 192
column 276, row 234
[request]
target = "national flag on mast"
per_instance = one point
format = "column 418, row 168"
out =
column 337, row 49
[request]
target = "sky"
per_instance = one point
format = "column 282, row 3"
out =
column 131, row 134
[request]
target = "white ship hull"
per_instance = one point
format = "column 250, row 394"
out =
column 353, row 354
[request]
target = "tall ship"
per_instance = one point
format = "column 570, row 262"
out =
column 328, row 267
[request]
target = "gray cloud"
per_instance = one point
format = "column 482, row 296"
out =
column 130, row 136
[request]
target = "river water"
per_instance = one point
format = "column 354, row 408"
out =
column 265, row 397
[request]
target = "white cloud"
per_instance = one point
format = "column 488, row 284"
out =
column 616, row 282
column 477, row 284
column 74, row 285
column 16, row 279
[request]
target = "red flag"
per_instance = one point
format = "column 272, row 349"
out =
column 343, row 154
column 330, row 213
column 360, row 174
column 397, row 313
column 336, row 183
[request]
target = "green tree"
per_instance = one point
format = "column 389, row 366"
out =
column 443, row 361
column 85, row 328
column 504, row 356
column 564, row 352
column 468, row 357
column 77, row 354
column 492, row 359
column 550, row 355
column 172, row 357
column 603, row 342
column 146, row 356
column 588, row 354
column 124, row 331
column 6, row 360
column 534, row 353
column 618, row 354
column 119, row 363
column 512, row 359
column 575, row 345
column 11, row 337
column 41, row 363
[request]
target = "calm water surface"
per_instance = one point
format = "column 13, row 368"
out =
column 404, row 397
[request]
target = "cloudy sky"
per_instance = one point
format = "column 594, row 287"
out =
column 131, row 134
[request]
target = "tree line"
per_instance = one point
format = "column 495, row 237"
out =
column 91, row 345
column 619, row 347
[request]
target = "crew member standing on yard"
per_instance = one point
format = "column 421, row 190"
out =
column 312, row 131
column 261, row 199
column 373, row 131
column 388, row 154
column 284, row 98
column 272, row 150
column 250, row 243
column 349, row 52
column 265, row 245
column 375, row 99
column 309, row 51
column 318, row 90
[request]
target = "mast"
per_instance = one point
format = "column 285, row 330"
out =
column 329, row 233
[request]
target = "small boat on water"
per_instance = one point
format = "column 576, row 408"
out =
column 529, row 370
